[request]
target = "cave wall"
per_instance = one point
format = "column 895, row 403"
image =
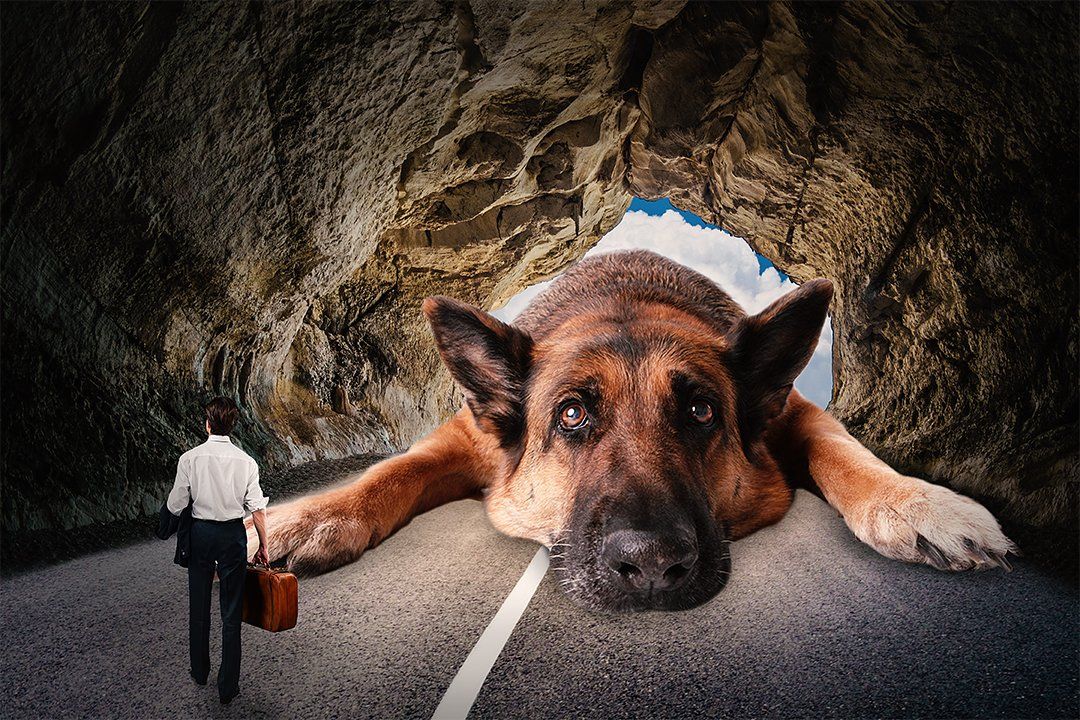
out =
column 253, row 200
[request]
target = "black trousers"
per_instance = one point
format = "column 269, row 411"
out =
column 223, row 543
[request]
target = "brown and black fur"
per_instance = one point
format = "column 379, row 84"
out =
column 635, row 420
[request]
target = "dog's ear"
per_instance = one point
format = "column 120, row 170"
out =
column 770, row 349
column 489, row 360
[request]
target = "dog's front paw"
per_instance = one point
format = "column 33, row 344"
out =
column 918, row 522
column 311, row 537
column 286, row 526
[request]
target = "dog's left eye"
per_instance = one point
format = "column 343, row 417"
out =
column 701, row 411
column 572, row 416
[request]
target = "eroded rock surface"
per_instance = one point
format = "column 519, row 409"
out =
column 253, row 200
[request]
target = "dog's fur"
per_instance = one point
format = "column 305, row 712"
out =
column 635, row 420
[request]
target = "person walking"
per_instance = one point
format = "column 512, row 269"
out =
column 221, row 482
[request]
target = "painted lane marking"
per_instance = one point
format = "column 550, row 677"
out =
column 460, row 696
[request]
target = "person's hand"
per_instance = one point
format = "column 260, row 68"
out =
column 262, row 556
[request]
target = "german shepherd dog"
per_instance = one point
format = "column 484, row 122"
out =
column 635, row 420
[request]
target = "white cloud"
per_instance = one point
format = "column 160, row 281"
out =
column 519, row 302
column 723, row 258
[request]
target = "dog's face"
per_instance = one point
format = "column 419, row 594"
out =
column 631, row 435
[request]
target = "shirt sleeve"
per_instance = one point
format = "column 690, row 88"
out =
column 254, row 500
column 180, row 495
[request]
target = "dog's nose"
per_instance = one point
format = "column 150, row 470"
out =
column 649, row 561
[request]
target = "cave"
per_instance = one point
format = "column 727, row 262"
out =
column 253, row 200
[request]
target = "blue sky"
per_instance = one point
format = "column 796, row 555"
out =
column 661, row 206
column 749, row 278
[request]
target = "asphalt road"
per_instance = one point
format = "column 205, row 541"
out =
column 812, row 624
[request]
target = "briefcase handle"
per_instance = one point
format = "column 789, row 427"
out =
column 266, row 567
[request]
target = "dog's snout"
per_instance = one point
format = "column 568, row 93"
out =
column 649, row 561
column 644, row 549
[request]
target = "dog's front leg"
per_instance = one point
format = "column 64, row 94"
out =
column 329, row 529
column 901, row 517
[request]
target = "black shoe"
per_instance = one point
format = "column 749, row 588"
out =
column 197, row 680
column 226, row 699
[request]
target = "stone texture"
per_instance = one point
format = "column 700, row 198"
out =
column 253, row 199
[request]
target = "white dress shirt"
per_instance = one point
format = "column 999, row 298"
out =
column 221, row 479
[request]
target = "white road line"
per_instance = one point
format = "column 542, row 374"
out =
column 465, row 686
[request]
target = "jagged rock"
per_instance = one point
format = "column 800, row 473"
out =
column 253, row 200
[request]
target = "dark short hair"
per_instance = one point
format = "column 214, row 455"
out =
column 222, row 413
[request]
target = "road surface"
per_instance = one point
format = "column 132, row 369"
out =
column 812, row 624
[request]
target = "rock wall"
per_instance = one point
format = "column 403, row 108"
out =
column 253, row 200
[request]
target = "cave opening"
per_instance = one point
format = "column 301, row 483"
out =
column 748, row 276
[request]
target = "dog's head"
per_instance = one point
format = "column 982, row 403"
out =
column 631, row 436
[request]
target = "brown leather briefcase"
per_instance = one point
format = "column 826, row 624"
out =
column 270, row 598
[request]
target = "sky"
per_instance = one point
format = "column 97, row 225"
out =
column 749, row 278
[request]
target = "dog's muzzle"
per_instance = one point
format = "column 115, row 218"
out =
column 642, row 553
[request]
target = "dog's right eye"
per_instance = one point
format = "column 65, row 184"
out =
column 572, row 416
column 701, row 411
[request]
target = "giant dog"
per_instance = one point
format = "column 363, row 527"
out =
column 635, row 420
